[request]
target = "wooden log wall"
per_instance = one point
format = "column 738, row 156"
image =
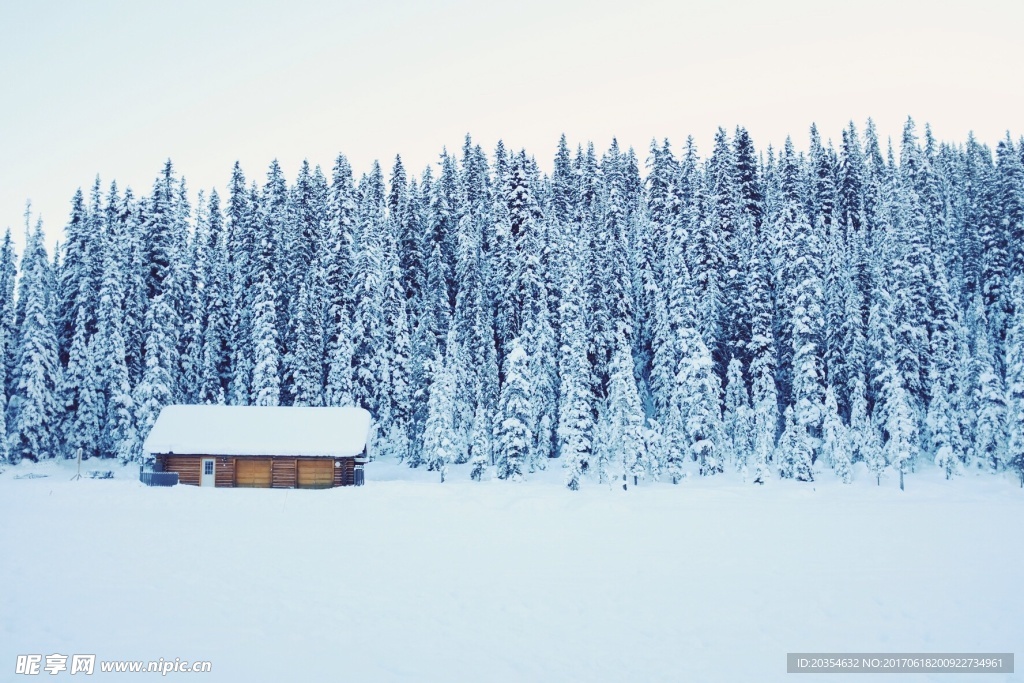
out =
column 187, row 467
column 283, row 473
column 283, row 476
column 345, row 475
column 224, row 471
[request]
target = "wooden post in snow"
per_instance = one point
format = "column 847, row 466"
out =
column 79, row 475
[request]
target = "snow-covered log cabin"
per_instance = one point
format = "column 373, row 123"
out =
column 261, row 447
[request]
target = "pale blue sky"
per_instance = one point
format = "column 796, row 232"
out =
column 115, row 88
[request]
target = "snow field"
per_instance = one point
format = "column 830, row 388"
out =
column 408, row 580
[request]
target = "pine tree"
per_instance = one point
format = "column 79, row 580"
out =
column 194, row 315
column 82, row 395
column 118, row 437
column 339, row 358
column 796, row 450
column 624, row 446
column 807, row 299
column 1014, row 457
column 543, row 359
column 764, row 418
column 73, row 284
column 480, row 442
column 273, row 294
column 871, row 450
column 941, row 423
column 398, row 439
column 900, row 425
column 439, row 436
column 338, row 272
column 765, row 407
column 242, row 258
column 157, row 388
column 1010, row 192
column 8, row 331
column 307, row 361
column 738, row 421
column 164, row 229
column 5, row 449
column 695, row 418
column 266, row 380
column 369, row 358
column 215, row 370
column 989, row 406
column 575, row 408
column 513, row 437
column 836, row 439
column 33, row 404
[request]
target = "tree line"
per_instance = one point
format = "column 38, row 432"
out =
column 777, row 312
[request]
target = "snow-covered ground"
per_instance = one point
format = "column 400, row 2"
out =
column 406, row 579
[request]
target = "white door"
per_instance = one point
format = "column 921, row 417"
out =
column 207, row 473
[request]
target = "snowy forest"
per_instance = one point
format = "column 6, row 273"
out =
column 776, row 312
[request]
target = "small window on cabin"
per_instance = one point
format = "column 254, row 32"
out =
column 208, row 467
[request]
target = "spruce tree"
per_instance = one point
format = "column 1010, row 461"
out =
column 990, row 408
column 901, row 426
column 738, row 421
column 307, row 360
column 513, row 439
column 338, row 391
column 439, row 436
column 82, row 396
column 159, row 380
column 872, row 450
column 33, row 404
column 836, row 439
column 266, row 379
column 796, row 450
column 940, row 424
column 575, row 407
column 242, row 259
column 1014, row 457
column 118, row 436
column 623, row 427
column 695, row 418
column 8, row 331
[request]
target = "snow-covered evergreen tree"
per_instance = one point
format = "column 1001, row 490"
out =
column 941, row 425
column 266, row 378
column 5, row 449
column 575, row 408
column 1014, row 457
column 901, row 426
column 835, row 439
column 33, row 404
column 871, row 449
column 440, row 436
column 8, row 279
column 989, row 406
column 796, row 450
column 765, row 422
column 307, row 361
column 82, row 395
column 118, row 436
column 158, row 386
column 695, row 416
column 623, row 454
column 513, row 438
column 738, row 419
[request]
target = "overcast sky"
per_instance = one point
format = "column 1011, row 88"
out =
column 115, row 88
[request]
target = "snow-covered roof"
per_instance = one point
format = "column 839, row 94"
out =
column 258, row 430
